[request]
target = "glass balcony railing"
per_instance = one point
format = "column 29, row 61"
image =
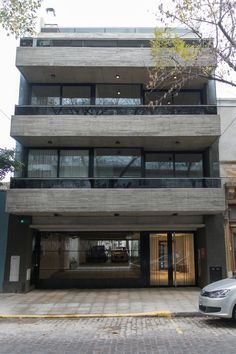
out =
column 115, row 183
column 115, row 110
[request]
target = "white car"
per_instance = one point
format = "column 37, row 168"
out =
column 219, row 299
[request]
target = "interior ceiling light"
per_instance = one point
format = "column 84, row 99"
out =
column 117, row 76
column 175, row 77
column 118, row 92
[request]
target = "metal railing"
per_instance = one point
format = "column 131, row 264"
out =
column 96, row 110
column 115, row 183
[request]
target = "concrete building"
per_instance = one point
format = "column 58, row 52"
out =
column 3, row 231
column 227, row 154
column 116, row 190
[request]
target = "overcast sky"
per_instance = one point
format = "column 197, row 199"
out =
column 74, row 13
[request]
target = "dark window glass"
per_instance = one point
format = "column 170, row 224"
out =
column 45, row 95
column 117, row 163
column 187, row 98
column 76, row 95
column 118, row 95
column 74, row 163
column 42, row 163
column 188, row 165
column 159, row 165
column 157, row 98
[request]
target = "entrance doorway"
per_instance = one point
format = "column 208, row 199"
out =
column 172, row 259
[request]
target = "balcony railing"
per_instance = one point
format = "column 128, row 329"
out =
column 115, row 110
column 115, row 183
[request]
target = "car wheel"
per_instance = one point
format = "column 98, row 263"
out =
column 234, row 313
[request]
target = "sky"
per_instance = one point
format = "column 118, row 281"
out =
column 73, row 13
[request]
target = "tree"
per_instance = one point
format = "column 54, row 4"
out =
column 8, row 162
column 19, row 16
column 212, row 53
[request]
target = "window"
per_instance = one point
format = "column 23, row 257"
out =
column 188, row 165
column 74, row 163
column 45, row 95
column 118, row 95
column 42, row 163
column 76, row 95
column 117, row 163
column 159, row 165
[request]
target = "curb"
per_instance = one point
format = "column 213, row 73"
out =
column 162, row 314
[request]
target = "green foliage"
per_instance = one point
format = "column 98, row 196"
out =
column 8, row 162
column 19, row 16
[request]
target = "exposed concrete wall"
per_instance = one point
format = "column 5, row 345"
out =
column 118, row 125
column 98, row 57
column 215, row 244
column 140, row 201
column 19, row 244
column 3, row 235
column 227, row 145
column 201, row 257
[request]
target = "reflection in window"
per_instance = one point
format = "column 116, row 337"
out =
column 81, row 257
column 178, row 98
column 159, row 165
column 74, row 163
column 76, row 95
column 117, row 163
column 42, row 163
column 45, row 95
column 188, row 165
column 118, row 95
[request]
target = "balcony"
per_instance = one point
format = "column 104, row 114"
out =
column 114, row 183
column 109, row 196
column 153, row 127
column 92, row 64
column 116, row 110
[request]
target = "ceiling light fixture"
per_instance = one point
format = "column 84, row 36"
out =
column 117, row 76
column 118, row 92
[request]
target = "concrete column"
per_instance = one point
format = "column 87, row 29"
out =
column 19, row 244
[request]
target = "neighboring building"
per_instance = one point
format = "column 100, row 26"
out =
column 116, row 192
column 227, row 154
column 3, row 230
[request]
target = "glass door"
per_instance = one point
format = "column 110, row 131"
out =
column 172, row 259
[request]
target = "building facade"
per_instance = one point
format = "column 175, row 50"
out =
column 227, row 154
column 116, row 190
column 3, row 231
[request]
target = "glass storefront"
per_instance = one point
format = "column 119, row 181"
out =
column 172, row 259
column 71, row 256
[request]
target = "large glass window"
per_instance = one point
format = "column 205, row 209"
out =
column 117, row 163
column 45, row 95
column 42, row 163
column 188, row 165
column 180, row 98
column 118, row 95
column 67, row 256
column 187, row 98
column 159, row 165
column 76, row 95
column 74, row 163
column 157, row 98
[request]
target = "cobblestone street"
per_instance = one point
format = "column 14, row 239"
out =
column 118, row 335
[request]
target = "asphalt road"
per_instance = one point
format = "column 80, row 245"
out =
column 118, row 335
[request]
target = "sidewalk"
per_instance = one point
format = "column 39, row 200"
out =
column 101, row 302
